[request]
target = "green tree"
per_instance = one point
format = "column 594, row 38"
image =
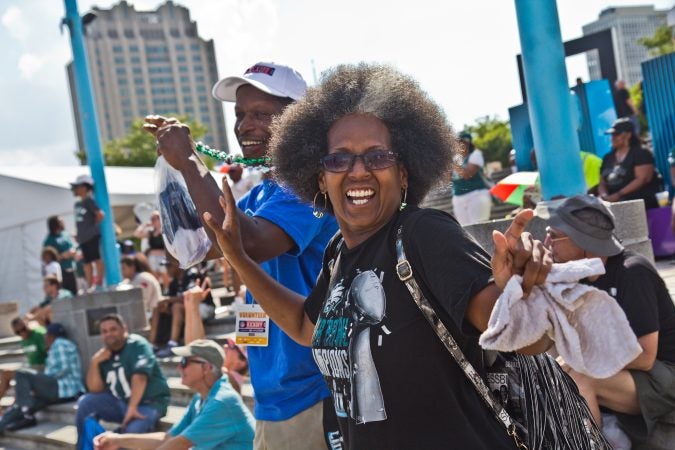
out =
column 637, row 97
column 493, row 137
column 661, row 43
column 138, row 148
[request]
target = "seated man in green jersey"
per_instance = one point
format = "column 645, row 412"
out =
column 33, row 345
column 125, row 382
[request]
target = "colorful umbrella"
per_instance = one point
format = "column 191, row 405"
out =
column 511, row 188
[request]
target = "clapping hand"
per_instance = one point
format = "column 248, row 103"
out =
column 518, row 253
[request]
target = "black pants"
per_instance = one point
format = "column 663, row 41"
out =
column 69, row 281
column 35, row 390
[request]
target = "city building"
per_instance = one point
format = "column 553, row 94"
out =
column 149, row 62
column 628, row 24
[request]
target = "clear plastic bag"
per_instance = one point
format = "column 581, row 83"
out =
column 183, row 233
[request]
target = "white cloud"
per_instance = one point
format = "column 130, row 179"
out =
column 14, row 21
column 50, row 154
column 244, row 30
column 29, row 65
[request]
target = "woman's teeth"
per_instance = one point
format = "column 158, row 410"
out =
column 360, row 196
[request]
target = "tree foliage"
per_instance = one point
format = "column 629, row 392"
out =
column 637, row 97
column 493, row 137
column 138, row 147
column 661, row 43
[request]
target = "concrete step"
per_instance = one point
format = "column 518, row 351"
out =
column 220, row 325
column 12, row 355
column 43, row 436
column 65, row 413
column 10, row 343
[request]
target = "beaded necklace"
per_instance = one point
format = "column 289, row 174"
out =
column 222, row 156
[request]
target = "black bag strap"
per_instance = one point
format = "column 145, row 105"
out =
column 405, row 274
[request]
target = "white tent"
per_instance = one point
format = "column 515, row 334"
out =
column 29, row 195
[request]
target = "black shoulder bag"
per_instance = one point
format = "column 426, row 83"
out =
column 540, row 406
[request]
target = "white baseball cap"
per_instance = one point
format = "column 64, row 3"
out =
column 83, row 179
column 271, row 78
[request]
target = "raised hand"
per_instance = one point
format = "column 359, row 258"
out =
column 228, row 234
column 517, row 252
column 197, row 294
column 174, row 140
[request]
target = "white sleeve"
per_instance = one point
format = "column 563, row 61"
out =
column 476, row 157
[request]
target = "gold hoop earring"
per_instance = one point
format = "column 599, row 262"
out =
column 316, row 211
column 404, row 197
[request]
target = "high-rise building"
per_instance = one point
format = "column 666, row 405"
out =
column 628, row 24
column 149, row 62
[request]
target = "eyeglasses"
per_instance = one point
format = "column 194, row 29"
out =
column 184, row 362
column 550, row 234
column 373, row 160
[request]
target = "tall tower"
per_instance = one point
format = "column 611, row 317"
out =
column 628, row 24
column 150, row 62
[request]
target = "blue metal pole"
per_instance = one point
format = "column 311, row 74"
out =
column 553, row 131
column 92, row 141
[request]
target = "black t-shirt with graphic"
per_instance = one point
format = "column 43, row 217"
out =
column 394, row 385
column 618, row 175
column 642, row 294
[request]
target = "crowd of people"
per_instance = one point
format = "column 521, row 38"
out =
column 350, row 360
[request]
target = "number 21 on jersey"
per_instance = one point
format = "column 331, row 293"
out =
column 115, row 376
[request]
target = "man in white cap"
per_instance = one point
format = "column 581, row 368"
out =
column 216, row 417
column 583, row 227
column 282, row 235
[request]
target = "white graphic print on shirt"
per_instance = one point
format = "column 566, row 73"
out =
column 341, row 346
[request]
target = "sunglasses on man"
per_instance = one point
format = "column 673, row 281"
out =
column 184, row 362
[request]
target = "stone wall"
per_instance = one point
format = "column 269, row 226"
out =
column 80, row 316
column 631, row 227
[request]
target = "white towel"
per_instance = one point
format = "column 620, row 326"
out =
column 588, row 327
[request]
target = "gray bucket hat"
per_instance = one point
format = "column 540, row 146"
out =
column 588, row 222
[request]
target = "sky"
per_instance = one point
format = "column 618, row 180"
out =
column 463, row 53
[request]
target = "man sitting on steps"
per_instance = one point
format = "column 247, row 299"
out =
column 125, row 382
column 215, row 419
column 61, row 381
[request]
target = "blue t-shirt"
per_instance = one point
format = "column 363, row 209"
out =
column 221, row 422
column 284, row 376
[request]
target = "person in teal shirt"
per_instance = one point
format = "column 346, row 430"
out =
column 216, row 418
column 63, row 243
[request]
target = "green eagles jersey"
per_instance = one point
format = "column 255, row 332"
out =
column 136, row 357
column 34, row 347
